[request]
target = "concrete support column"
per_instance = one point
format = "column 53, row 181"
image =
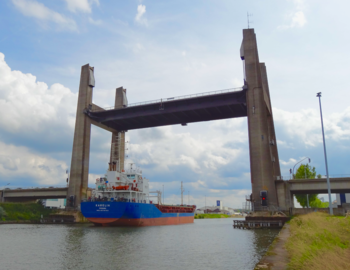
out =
column 118, row 138
column 276, row 171
column 261, row 162
column 79, row 171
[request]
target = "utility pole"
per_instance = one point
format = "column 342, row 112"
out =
column 307, row 195
column 325, row 157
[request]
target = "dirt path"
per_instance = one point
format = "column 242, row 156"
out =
column 277, row 256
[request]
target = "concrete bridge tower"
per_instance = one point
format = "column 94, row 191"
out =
column 264, row 161
column 79, row 171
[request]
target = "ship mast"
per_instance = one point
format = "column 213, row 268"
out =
column 182, row 194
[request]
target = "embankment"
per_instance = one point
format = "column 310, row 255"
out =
column 319, row 241
column 312, row 241
column 204, row 216
column 23, row 212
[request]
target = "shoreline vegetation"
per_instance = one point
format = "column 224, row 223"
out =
column 319, row 241
column 23, row 212
column 206, row 216
column 311, row 241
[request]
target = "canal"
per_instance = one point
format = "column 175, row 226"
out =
column 206, row 244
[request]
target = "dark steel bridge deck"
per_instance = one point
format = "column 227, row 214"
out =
column 229, row 103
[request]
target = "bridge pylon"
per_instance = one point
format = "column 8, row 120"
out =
column 264, row 161
column 79, row 171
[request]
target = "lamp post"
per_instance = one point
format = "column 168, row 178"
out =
column 298, row 163
column 325, row 157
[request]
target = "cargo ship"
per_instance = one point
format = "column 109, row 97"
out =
column 123, row 199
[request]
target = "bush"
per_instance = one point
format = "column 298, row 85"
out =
column 2, row 212
column 24, row 211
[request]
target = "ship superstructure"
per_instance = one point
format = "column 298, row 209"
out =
column 123, row 186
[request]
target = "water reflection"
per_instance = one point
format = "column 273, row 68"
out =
column 206, row 244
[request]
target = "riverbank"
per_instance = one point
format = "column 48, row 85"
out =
column 204, row 216
column 23, row 212
column 312, row 241
column 319, row 241
column 277, row 255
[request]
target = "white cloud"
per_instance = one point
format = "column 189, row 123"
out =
column 305, row 125
column 19, row 162
column 141, row 10
column 297, row 17
column 42, row 13
column 26, row 104
column 81, row 5
column 95, row 22
column 166, row 149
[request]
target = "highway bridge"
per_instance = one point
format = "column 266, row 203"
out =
column 32, row 194
column 286, row 189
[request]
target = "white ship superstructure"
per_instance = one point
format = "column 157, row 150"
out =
column 128, row 186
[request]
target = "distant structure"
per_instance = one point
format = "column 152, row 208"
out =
column 252, row 101
column 55, row 203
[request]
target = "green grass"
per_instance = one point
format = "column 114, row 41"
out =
column 23, row 211
column 318, row 241
column 203, row 216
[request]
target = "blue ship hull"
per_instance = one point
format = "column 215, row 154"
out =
column 131, row 214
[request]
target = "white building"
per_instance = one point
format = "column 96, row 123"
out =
column 55, row 203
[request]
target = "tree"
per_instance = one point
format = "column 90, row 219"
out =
column 307, row 172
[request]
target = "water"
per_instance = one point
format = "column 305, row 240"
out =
column 206, row 244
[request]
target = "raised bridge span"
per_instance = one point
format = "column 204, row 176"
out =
column 228, row 103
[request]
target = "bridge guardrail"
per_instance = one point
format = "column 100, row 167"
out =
column 38, row 187
column 289, row 177
column 173, row 98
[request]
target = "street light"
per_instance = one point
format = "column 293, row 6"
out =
column 325, row 157
column 298, row 163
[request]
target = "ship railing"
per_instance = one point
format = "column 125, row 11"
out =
column 105, row 199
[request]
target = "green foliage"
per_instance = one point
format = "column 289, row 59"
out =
column 317, row 203
column 203, row 216
column 307, row 172
column 24, row 211
column 2, row 212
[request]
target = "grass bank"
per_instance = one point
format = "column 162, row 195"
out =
column 318, row 241
column 202, row 216
column 23, row 211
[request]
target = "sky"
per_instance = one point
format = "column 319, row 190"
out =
column 159, row 49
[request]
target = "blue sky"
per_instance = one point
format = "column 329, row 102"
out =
column 159, row 49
